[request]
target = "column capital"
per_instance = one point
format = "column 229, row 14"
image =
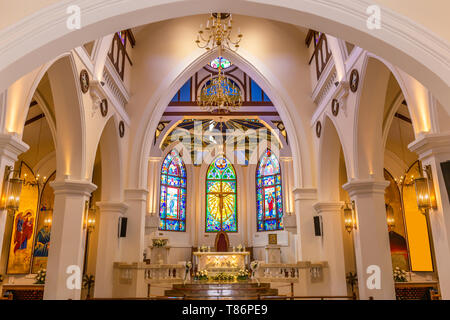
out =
column 305, row 194
column 11, row 145
column 73, row 187
column 429, row 144
column 111, row 206
column 329, row 206
column 365, row 186
column 136, row 194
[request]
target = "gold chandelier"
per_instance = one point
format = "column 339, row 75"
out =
column 218, row 34
column 220, row 95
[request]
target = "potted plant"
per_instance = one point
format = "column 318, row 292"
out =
column 201, row 275
column 243, row 275
column 40, row 276
column 400, row 275
column 159, row 243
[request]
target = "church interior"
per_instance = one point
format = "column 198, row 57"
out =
column 203, row 151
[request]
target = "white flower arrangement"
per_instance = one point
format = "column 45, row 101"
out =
column 40, row 276
column 203, row 249
column 400, row 275
column 243, row 274
column 201, row 275
column 222, row 276
column 159, row 243
column 239, row 248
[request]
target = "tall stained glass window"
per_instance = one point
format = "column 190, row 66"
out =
column 221, row 197
column 172, row 208
column 269, row 196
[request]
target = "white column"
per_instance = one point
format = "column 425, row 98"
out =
column 154, row 166
column 307, row 247
column 10, row 147
column 68, row 238
column 133, row 243
column 332, row 244
column 287, row 176
column 433, row 149
column 108, row 246
column 371, row 239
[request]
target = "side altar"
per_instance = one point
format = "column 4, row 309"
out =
column 215, row 262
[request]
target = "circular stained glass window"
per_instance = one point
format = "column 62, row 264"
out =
column 220, row 61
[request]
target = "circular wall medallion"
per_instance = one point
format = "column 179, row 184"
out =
column 354, row 80
column 121, row 129
column 335, row 107
column 84, row 81
column 104, row 107
column 318, row 129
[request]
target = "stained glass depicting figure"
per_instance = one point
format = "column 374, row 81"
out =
column 172, row 208
column 269, row 196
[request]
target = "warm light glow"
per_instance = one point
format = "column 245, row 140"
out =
column 349, row 217
column 390, row 219
column 422, row 194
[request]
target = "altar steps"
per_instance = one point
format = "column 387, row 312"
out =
column 235, row 290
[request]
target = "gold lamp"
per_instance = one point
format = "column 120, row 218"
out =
column 220, row 95
column 390, row 217
column 425, row 195
column 12, row 187
column 90, row 221
column 349, row 216
column 217, row 33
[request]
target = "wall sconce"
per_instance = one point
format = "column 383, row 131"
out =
column 425, row 194
column 349, row 216
column 12, row 187
column 90, row 221
column 390, row 217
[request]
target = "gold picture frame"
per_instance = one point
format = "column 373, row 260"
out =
column 273, row 238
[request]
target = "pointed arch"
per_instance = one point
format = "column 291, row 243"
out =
column 269, row 193
column 221, row 196
column 172, row 208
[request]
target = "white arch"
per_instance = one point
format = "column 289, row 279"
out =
column 171, row 84
column 415, row 49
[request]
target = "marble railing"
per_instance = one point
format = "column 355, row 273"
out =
column 290, row 272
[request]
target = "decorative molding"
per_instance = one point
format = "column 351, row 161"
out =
column 73, row 187
column 305, row 194
column 136, row 195
column 11, row 146
column 112, row 207
column 97, row 95
column 331, row 206
column 341, row 94
column 430, row 144
column 84, row 80
column 365, row 186
column 327, row 78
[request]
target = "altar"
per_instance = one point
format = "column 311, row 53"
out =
column 215, row 262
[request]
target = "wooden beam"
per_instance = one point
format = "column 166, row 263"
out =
column 38, row 117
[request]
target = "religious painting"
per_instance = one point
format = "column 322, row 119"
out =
column 269, row 196
column 172, row 208
column 43, row 227
column 273, row 239
column 21, row 246
column 221, row 197
column 397, row 234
